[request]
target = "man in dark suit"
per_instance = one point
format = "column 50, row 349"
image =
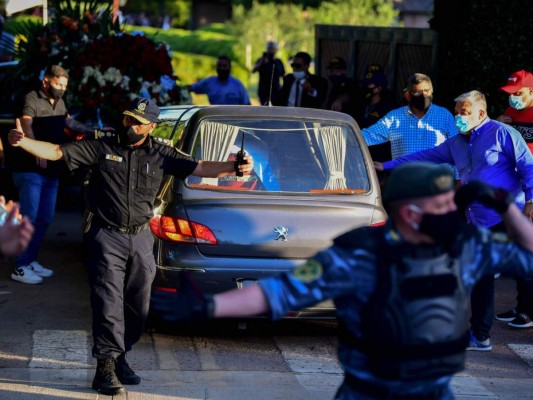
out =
column 301, row 88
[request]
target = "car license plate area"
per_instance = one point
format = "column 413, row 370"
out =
column 242, row 283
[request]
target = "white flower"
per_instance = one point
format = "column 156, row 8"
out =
column 156, row 88
column 125, row 83
column 113, row 76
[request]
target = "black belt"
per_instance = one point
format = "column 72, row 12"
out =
column 379, row 392
column 132, row 230
column 127, row 230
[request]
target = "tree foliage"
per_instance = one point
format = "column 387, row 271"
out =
column 305, row 3
column 291, row 24
column 178, row 10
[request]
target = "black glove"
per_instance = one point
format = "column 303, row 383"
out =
column 477, row 191
column 187, row 304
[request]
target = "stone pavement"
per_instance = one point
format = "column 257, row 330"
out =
column 59, row 384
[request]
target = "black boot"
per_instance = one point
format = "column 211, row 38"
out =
column 124, row 373
column 105, row 380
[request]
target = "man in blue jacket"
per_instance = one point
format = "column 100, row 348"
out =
column 494, row 153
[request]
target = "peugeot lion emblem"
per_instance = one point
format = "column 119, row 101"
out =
column 282, row 233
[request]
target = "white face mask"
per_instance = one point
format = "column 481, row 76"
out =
column 299, row 74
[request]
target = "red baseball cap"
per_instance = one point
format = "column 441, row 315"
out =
column 517, row 81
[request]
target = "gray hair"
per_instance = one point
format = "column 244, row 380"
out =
column 474, row 97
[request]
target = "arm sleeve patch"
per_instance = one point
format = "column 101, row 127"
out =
column 308, row 272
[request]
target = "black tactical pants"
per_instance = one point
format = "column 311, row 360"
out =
column 121, row 268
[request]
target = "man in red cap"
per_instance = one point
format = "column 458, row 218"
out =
column 519, row 114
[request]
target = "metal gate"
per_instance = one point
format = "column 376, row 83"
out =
column 400, row 51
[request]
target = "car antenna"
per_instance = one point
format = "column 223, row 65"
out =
column 271, row 84
column 240, row 157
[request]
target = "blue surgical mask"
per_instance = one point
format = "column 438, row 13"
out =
column 516, row 102
column 299, row 74
column 461, row 122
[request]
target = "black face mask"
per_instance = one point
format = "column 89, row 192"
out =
column 421, row 102
column 368, row 92
column 129, row 136
column 337, row 80
column 223, row 74
column 442, row 228
column 55, row 94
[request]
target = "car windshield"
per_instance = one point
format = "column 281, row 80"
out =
column 313, row 157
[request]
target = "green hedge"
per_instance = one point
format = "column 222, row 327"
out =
column 206, row 42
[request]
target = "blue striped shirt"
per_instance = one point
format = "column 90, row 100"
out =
column 495, row 154
column 407, row 133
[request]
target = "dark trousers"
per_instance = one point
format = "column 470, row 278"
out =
column 121, row 269
column 524, row 298
column 482, row 301
column 482, row 304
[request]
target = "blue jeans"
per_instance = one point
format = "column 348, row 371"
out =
column 37, row 198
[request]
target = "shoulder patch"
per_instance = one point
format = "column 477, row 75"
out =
column 309, row 271
column 103, row 134
column 163, row 141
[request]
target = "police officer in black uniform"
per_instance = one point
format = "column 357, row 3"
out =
column 127, row 169
column 401, row 290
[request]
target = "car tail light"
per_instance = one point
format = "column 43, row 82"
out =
column 165, row 289
column 376, row 224
column 181, row 230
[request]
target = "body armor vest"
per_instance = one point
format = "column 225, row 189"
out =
column 415, row 325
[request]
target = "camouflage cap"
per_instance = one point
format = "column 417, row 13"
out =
column 418, row 179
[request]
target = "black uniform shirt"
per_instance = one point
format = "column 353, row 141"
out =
column 124, row 181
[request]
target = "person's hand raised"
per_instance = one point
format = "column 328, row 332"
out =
column 16, row 135
column 17, row 231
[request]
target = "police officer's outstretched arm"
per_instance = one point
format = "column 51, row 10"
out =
column 518, row 225
column 46, row 150
column 217, row 169
column 241, row 303
column 189, row 304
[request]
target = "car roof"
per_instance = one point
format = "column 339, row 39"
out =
column 185, row 112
